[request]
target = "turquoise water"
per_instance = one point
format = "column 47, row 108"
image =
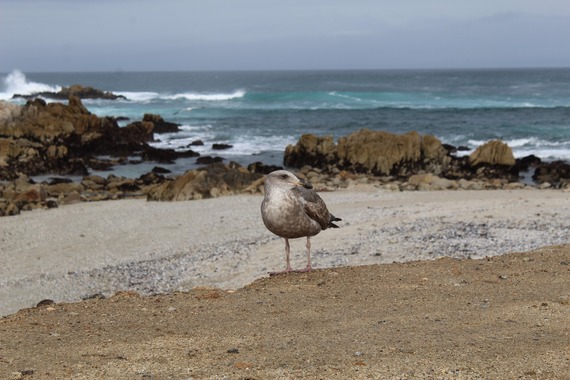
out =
column 260, row 113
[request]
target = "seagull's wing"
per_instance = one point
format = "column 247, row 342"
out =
column 315, row 207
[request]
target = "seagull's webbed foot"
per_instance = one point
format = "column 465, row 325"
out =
column 307, row 269
column 287, row 270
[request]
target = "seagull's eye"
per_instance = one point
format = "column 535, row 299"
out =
column 284, row 176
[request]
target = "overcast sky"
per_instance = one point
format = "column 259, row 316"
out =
column 110, row 35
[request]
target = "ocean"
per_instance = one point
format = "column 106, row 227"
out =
column 260, row 112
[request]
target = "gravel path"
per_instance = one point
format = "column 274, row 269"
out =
column 87, row 249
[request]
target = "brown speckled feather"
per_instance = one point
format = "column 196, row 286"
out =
column 315, row 207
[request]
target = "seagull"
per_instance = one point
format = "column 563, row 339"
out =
column 292, row 209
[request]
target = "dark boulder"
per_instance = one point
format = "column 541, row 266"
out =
column 221, row 146
column 161, row 126
column 165, row 155
column 527, row 162
column 207, row 160
column 261, row 168
column 556, row 173
column 82, row 92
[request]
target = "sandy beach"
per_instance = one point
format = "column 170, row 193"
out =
column 80, row 250
column 220, row 246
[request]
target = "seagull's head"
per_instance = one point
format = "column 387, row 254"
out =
column 283, row 178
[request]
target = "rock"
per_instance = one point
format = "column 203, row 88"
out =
column 30, row 195
column 469, row 185
column 20, row 194
column 161, row 126
column 207, row 160
column 556, row 173
column 160, row 170
column 259, row 167
column 493, row 152
column 151, row 178
column 221, row 146
column 378, row 152
column 196, row 143
column 165, row 155
column 444, row 183
column 52, row 203
column 123, row 185
column 212, row 181
column 8, row 208
column 137, row 132
column 91, row 186
column 62, row 189
column 311, row 150
column 58, row 180
column 82, row 92
column 527, row 162
column 383, row 153
column 71, row 198
column 429, row 181
column 96, row 179
column 366, row 151
column 432, row 149
column 545, row 185
column 514, row 186
column 418, row 179
column 42, row 138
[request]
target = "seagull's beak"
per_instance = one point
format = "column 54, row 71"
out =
column 305, row 184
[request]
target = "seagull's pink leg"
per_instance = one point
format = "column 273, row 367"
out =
column 308, row 268
column 288, row 268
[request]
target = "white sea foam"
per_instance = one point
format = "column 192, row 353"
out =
column 16, row 83
column 253, row 145
column 146, row 96
column 476, row 143
column 207, row 97
column 142, row 97
column 529, row 141
column 241, row 146
column 181, row 140
column 546, row 154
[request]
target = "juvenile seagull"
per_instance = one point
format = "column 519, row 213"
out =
column 292, row 209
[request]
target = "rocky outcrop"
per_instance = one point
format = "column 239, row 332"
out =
column 221, row 146
column 41, row 138
column 493, row 152
column 24, row 194
column 260, row 167
column 82, row 92
column 311, row 150
column 404, row 157
column 212, row 181
column 160, row 125
column 383, row 153
column 555, row 173
column 378, row 152
column 55, row 138
column 366, row 151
